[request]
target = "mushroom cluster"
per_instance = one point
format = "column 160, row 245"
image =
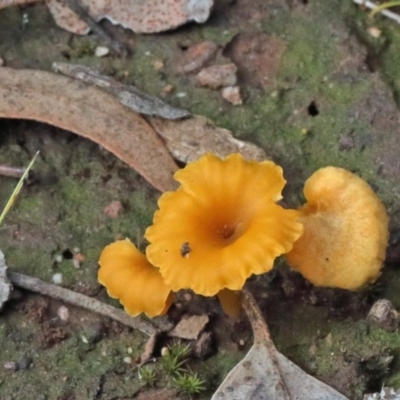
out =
column 223, row 224
column 220, row 226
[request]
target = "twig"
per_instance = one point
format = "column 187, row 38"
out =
column 13, row 172
column 372, row 6
column 128, row 95
column 94, row 26
column 7, row 3
column 80, row 300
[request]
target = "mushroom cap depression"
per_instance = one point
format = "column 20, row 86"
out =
column 221, row 225
column 345, row 231
column 129, row 277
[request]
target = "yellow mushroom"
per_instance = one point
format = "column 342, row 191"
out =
column 345, row 231
column 222, row 225
column 129, row 277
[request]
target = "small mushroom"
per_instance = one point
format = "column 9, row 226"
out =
column 345, row 231
column 129, row 277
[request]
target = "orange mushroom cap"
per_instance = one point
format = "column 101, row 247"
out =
column 221, row 225
column 129, row 277
column 345, row 231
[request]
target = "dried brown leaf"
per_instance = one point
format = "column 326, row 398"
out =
column 190, row 138
column 91, row 113
column 267, row 374
column 140, row 16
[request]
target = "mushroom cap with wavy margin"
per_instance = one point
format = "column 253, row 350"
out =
column 221, row 225
column 129, row 277
column 345, row 231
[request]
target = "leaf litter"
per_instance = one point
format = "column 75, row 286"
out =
column 148, row 16
column 99, row 116
column 266, row 374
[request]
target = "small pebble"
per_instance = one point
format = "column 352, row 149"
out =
column 167, row 90
column 63, row 313
column 57, row 278
column 79, row 257
column 130, row 350
column 58, row 258
column 187, row 296
column 128, row 360
column 158, row 65
column 181, row 94
column 384, row 315
column 101, row 51
column 196, row 57
column 217, row 76
column 232, row 94
column 374, row 31
column 164, row 351
column 76, row 263
column 24, row 363
column 113, row 209
column 11, row 365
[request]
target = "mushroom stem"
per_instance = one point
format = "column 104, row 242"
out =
column 231, row 302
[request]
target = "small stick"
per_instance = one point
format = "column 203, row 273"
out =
column 80, row 300
column 372, row 6
column 7, row 3
column 94, row 26
column 13, row 172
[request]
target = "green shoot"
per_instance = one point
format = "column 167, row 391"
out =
column 189, row 383
column 172, row 362
column 17, row 189
column 147, row 376
column 383, row 6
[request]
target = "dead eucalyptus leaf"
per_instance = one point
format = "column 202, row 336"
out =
column 190, row 138
column 91, row 113
column 264, row 370
column 5, row 285
column 128, row 95
column 141, row 16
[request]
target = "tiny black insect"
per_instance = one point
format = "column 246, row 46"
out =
column 185, row 249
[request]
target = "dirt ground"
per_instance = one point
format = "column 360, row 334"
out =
column 318, row 89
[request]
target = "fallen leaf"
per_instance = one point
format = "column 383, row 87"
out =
column 190, row 138
column 190, row 328
column 266, row 374
column 5, row 285
column 91, row 113
column 147, row 16
column 187, row 139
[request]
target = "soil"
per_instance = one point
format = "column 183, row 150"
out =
column 317, row 90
